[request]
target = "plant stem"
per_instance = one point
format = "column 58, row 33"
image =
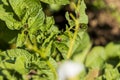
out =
column 52, row 69
column 72, row 41
column 43, row 55
column 34, row 47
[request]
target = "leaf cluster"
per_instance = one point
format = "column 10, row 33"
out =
column 39, row 44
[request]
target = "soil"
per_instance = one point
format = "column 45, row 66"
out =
column 103, row 27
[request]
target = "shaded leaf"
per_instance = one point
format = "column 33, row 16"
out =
column 6, row 34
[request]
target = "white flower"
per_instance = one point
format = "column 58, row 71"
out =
column 69, row 69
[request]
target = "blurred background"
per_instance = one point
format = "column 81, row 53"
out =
column 104, row 21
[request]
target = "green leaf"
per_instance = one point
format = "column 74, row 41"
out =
column 81, row 47
column 112, row 50
column 5, row 2
column 49, row 21
column 11, row 22
column 29, row 10
column 59, row 2
column 62, row 48
column 81, row 55
column 111, row 73
column 36, row 21
column 15, row 59
column 48, row 40
column 6, row 34
column 21, row 7
column 53, row 29
column 7, row 74
column 81, row 42
column 44, row 70
column 21, row 61
column 20, row 12
column 95, row 58
column 83, row 17
column 20, row 40
column 63, row 45
column 44, row 75
column 53, row 62
column 1, row 77
column 71, row 22
column 47, row 50
column 15, row 53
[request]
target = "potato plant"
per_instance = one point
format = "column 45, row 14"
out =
column 38, row 45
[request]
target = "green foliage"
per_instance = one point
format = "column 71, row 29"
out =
column 112, row 48
column 58, row 2
column 40, row 45
column 96, row 58
column 18, row 63
column 6, row 34
column 106, row 60
column 81, row 10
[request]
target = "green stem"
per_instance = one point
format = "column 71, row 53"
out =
column 43, row 55
column 52, row 69
column 72, row 41
column 34, row 47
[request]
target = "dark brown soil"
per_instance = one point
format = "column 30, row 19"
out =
column 103, row 27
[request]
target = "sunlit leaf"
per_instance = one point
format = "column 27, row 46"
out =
column 60, row 2
column 83, row 18
column 112, row 50
column 96, row 58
